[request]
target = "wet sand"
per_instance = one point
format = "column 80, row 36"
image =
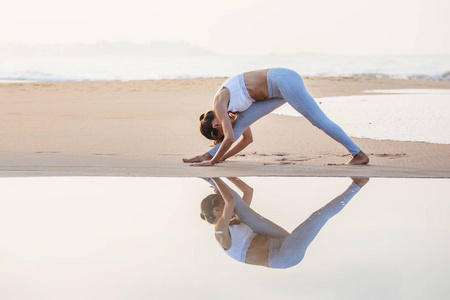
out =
column 144, row 128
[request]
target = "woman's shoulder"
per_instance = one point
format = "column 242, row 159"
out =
column 222, row 97
column 229, row 83
column 223, row 238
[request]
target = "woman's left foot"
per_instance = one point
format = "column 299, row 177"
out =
column 359, row 159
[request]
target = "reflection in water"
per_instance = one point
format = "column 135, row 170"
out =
column 138, row 238
column 248, row 237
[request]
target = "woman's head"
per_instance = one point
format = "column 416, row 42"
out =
column 211, row 208
column 210, row 126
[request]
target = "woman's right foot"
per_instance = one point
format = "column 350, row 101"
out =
column 359, row 159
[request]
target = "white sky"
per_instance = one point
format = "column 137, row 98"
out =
column 238, row 26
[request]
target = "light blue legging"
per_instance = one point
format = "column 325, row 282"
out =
column 288, row 249
column 285, row 85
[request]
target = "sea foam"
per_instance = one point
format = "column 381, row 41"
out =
column 136, row 66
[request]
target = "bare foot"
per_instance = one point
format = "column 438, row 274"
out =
column 359, row 159
column 198, row 158
column 191, row 160
column 360, row 181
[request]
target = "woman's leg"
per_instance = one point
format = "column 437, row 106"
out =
column 291, row 87
column 250, row 116
column 293, row 248
column 255, row 221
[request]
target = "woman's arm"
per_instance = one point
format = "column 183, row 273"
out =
column 221, row 228
column 221, row 110
column 247, row 139
column 247, row 191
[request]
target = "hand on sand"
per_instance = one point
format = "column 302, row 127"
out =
column 207, row 163
column 360, row 181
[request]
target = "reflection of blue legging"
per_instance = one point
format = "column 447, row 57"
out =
column 287, row 250
column 285, row 85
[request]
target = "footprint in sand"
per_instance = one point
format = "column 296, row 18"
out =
column 285, row 158
column 287, row 163
column 280, row 163
column 388, row 155
column 47, row 152
column 253, row 154
column 293, row 159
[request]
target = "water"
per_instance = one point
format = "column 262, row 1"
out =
column 64, row 67
column 142, row 238
column 419, row 115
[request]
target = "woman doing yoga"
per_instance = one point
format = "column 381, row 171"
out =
column 253, row 95
column 252, row 239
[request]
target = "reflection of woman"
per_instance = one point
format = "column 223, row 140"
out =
column 255, row 94
column 252, row 239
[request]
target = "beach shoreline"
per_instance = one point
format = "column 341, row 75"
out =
column 144, row 128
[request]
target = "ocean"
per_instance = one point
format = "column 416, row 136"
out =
column 61, row 67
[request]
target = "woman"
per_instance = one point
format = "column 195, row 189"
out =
column 253, row 95
column 254, row 240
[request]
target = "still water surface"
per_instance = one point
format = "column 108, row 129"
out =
column 143, row 238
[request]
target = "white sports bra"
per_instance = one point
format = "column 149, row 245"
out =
column 241, row 237
column 240, row 99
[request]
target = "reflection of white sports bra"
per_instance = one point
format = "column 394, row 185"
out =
column 240, row 99
column 241, row 237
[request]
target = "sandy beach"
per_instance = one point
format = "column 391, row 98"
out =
column 145, row 128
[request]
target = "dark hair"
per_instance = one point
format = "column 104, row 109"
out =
column 206, row 127
column 207, row 207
